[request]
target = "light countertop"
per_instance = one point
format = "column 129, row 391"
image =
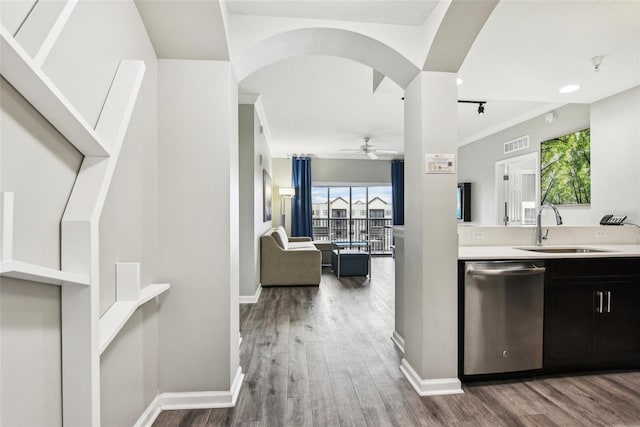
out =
column 511, row 252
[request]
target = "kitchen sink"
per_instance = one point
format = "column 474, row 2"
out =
column 558, row 250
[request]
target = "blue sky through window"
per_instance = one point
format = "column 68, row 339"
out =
column 319, row 194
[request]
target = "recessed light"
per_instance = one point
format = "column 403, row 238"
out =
column 569, row 88
column 459, row 81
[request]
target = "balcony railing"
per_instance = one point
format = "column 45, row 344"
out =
column 349, row 230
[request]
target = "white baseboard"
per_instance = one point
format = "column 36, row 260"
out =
column 430, row 387
column 398, row 341
column 191, row 400
column 150, row 414
column 251, row 299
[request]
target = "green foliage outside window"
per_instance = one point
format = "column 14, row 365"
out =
column 565, row 169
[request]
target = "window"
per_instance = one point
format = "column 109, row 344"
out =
column 338, row 213
column 350, row 213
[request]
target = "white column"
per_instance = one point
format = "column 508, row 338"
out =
column 199, row 230
column 431, row 246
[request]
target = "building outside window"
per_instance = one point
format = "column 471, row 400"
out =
column 353, row 214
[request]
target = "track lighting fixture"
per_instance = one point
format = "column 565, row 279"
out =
column 480, row 105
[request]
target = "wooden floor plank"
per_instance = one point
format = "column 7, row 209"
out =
column 299, row 412
column 322, row 356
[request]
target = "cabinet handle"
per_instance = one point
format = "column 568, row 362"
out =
column 608, row 301
column 600, row 295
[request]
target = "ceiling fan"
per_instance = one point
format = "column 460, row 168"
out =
column 369, row 149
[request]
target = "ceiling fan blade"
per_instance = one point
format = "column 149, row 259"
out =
column 352, row 150
column 386, row 152
column 372, row 155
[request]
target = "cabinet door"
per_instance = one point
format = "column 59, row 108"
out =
column 568, row 324
column 617, row 329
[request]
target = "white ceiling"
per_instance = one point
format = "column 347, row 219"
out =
column 523, row 55
column 529, row 49
column 399, row 12
column 321, row 104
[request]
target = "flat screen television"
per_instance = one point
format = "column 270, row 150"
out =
column 463, row 196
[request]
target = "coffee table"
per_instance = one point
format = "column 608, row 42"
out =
column 353, row 245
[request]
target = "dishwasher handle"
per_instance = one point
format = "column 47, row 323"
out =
column 505, row 271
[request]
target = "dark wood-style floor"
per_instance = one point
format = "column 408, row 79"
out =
column 323, row 357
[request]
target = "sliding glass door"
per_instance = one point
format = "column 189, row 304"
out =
column 354, row 213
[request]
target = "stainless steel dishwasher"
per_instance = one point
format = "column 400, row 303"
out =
column 503, row 312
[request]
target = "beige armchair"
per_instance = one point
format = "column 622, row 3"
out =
column 288, row 261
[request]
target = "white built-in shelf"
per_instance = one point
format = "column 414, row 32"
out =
column 116, row 317
column 24, row 270
column 37, row 273
column 19, row 69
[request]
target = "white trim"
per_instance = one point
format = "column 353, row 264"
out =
column 27, row 78
column 191, row 400
column 6, row 226
column 37, row 273
column 433, row 387
column 80, row 251
column 255, row 100
column 54, row 33
column 150, row 414
column 119, row 313
column 398, row 341
column 251, row 299
column 247, row 98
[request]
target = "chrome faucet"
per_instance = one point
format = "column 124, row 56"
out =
column 539, row 237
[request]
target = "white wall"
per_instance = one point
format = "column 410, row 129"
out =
column 476, row 161
column 39, row 166
column 82, row 65
column 29, row 354
column 615, row 156
column 129, row 369
column 351, row 171
column 615, row 178
column 13, row 13
column 41, row 170
column 255, row 156
column 29, row 142
column 198, row 205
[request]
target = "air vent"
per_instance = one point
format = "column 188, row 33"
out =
column 516, row 144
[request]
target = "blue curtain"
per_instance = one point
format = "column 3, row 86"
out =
column 397, row 191
column 301, row 212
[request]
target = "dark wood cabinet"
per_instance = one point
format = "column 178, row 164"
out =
column 592, row 313
column 617, row 329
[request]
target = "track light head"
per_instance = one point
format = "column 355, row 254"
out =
column 480, row 104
